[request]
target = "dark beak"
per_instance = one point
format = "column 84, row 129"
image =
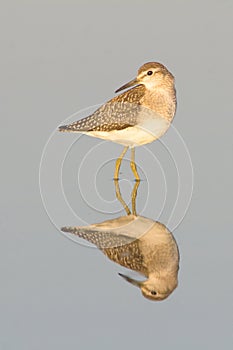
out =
column 131, row 280
column 129, row 84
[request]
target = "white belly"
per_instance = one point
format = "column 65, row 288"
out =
column 134, row 136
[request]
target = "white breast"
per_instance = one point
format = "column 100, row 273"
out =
column 146, row 132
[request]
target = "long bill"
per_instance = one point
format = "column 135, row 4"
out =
column 131, row 280
column 127, row 85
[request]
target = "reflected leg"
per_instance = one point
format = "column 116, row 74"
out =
column 119, row 197
column 134, row 196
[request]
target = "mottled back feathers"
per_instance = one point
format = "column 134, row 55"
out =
column 119, row 113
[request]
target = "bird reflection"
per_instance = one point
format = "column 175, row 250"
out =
column 137, row 243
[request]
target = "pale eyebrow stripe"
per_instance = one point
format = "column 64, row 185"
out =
column 143, row 74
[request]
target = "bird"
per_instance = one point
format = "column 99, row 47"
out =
column 140, row 244
column 138, row 116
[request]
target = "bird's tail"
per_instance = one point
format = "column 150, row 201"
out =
column 65, row 128
column 71, row 229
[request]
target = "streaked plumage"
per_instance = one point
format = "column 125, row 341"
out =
column 139, row 244
column 136, row 117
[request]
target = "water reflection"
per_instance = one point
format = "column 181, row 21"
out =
column 137, row 243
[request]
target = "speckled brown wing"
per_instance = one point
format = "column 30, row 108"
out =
column 119, row 113
column 129, row 256
column 102, row 239
column 123, row 250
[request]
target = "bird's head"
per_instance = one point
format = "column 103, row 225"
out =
column 152, row 75
column 154, row 288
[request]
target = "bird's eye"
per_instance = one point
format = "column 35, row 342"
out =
column 149, row 72
column 153, row 292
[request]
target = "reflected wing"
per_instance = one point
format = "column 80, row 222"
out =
column 129, row 256
column 101, row 239
column 119, row 113
column 121, row 249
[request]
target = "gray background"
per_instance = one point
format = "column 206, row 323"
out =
column 58, row 57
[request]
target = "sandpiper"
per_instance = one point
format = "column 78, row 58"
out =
column 136, row 117
column 140, row 244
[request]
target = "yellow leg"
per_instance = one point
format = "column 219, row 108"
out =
column 119, row 197
column 134, row 196
column 133, row 165
column 118, row 163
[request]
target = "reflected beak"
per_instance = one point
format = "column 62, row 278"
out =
column 129, row 84
column 131, row 280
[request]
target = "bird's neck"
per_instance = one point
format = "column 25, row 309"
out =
column 161, row 100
